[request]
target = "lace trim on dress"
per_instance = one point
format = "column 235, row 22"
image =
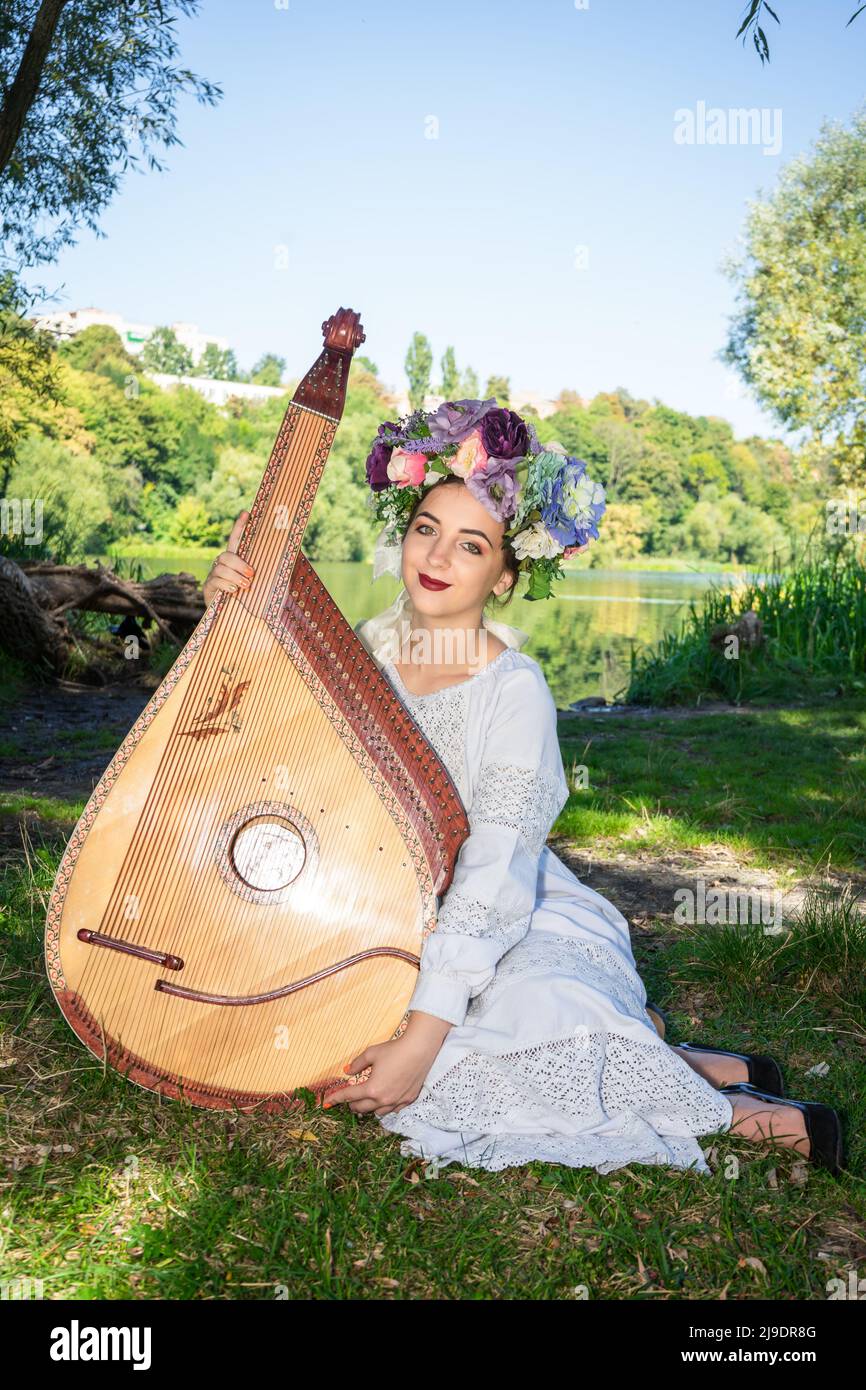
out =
column 525, row 799
column 443, row 722
column 589, row 1078
column 635, row 1143
column 471, row 917
column 591, row 962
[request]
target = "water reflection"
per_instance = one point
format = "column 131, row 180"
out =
column 582, row 639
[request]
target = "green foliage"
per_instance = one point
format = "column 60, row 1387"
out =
column 104, row 98
column 28, row 369
column 268, row 371
column 469, row 386
column 500, row 387
column 449, row 387
column 74, row 495
column 219, row 364
column 814, row 624
column 98, row 348
column 171, row 468
column 163, row 353
column 797, row 338
column 418, row 366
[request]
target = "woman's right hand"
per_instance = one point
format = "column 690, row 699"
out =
column 229, row 572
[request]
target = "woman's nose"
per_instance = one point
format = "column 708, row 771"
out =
column 438, row 554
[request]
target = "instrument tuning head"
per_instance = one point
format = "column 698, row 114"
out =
column 343, row 331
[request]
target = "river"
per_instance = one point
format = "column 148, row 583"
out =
column 582, row 638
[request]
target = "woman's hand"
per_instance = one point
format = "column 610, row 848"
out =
column 229, row 571
column 399, row 1067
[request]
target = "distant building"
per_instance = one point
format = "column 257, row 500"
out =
column 67, row 322
column 217, row 392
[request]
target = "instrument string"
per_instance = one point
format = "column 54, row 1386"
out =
column 183, row 937
column 198, row 758
column 176, row 757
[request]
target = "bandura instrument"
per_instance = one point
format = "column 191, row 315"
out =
column 242, row 904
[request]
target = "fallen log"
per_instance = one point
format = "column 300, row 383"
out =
column 36, row 598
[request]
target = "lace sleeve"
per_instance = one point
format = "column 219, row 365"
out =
column 488, row 906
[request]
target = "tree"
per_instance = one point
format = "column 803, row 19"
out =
column 418, row 365
column 500, row 387
column 753, row 21
column 624, row 449
column 88, row 87
column 28, row 372
column 579, row 435
column 450, row 376
column 702, row 468
column 163, row 353
column 268, row 371
column 469, row 385
column 622, row 536
column 216, row 363
column 76, row 505
column 101, row 350
column 797, row 338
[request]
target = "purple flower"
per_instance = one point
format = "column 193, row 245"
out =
column 453, row 420
column 496, row 487
column 378, row 459
column 534, row 443
column 504, row 434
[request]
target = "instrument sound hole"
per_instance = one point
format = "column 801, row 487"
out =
column 268, row 853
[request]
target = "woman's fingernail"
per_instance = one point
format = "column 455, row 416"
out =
column 326, row 1105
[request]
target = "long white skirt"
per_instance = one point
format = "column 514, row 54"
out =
column 558, row 1059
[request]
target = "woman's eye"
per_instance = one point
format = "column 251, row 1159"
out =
column 425, row 526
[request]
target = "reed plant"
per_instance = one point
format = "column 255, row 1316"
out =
column 813, row 617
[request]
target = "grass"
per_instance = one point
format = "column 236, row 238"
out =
column 814, row 625
column 109, row 1193
column 780, row 788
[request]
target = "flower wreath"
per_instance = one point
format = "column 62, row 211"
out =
column 551, row 505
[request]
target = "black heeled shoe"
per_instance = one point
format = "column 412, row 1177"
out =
column 823, row 1126
column 764, row 1072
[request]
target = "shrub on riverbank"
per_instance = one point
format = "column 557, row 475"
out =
column 814, row 631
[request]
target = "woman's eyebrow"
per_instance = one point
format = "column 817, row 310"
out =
column 462, row 528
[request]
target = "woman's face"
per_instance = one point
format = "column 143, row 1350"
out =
column 453, row 539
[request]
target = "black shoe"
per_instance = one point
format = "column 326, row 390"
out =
column 660, row 1015
column 823, row 1126
column 764, row 1072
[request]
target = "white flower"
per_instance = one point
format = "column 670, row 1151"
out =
column 535, row 541
column 578, row 497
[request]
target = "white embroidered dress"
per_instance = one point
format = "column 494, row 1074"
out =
column 552, row 1055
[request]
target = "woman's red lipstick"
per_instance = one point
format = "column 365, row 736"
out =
column 432, row 583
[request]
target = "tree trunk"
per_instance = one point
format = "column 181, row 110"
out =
column 22, row 93
column 34, row 599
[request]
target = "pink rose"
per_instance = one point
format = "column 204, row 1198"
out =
column 407, row 470
column 471, row 456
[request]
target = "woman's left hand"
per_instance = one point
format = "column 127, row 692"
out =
column 399, row 1067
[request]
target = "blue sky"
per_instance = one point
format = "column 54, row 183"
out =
column 553, row 231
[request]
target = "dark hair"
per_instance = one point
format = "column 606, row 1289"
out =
column 512, row 564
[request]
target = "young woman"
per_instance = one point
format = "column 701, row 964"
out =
column 528, row 1035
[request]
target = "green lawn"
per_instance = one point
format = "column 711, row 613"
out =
column 109, row 1193
column 780, row 788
